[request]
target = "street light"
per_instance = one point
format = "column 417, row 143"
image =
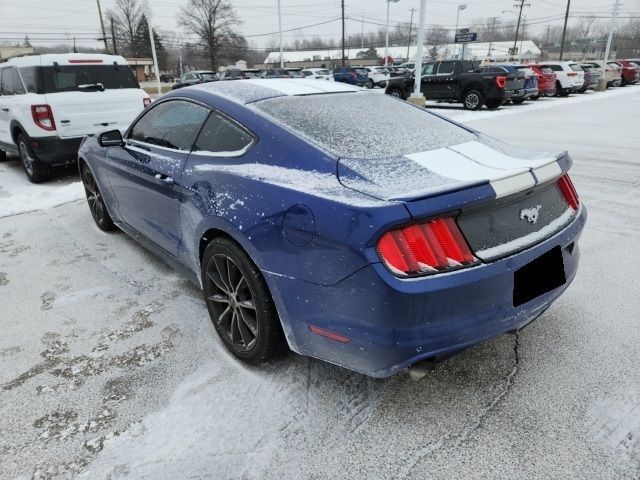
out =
column 461, row 7
column 386, row 43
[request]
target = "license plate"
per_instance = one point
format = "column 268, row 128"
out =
column 538, row 277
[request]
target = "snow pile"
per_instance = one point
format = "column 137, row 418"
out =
column 17, row 195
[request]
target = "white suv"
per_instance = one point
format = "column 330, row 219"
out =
column 377, row 76
column 569, row 76
column 48, row 103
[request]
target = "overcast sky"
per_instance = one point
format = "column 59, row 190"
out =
column 49, row 23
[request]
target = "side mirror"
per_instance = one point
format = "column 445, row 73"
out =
column 112, row 138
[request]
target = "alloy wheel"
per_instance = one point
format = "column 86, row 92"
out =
column 26, row 158
column 472, row 101
column 231, row 302
column 96, row 205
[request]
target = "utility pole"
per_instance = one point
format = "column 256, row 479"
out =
column 113, row 37
column 515, row 40
column 104, row 35
column 493, row 30
column 564, row 30
column 362, row 34
column 546, row 43
column 153, row 54
column 410, row 27
column 181, row 57
column 75, row 50
column 342, row 8
column 280, row 34
column 524, row 25
column 612, row 27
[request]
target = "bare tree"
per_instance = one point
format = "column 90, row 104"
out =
column 127, row 15
column 212, row 21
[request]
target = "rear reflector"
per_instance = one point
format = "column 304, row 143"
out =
column 425, row 248
column 569, row 191
column 329, row 334
column 43, row 117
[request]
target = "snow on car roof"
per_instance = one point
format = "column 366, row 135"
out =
column 253, row 90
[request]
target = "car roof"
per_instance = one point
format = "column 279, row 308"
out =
column 49, row 59
column 254, row 90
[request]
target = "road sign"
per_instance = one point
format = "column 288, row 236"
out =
column 466, row 37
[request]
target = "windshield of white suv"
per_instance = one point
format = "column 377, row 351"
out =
column 76, row 78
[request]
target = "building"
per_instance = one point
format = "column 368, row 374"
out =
column 7, row 51
column 142, row 68
column 495, row 51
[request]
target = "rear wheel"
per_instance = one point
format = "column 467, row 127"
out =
column 239, row 303
column 473, row 100
column 370, row 84
column 493, row 104
column 95, row 200
column 36, row 170
column 518, row 101
column 536, row 97
column 3, row 155
column 395, row 92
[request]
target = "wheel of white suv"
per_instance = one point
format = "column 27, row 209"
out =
column 36, row 170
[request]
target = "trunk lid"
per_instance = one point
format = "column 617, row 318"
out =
column 82, row 113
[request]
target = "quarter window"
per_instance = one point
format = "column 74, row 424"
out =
column 173, row 124
column 222, row 136
column 428, row 69
column 10, row 83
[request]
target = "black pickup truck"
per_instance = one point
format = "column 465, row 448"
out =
column 454, row 81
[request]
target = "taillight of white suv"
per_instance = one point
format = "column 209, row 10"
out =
column 43, row 117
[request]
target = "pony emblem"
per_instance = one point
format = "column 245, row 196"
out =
column 530, row 214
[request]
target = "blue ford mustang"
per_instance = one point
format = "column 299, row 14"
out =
column 347, row 225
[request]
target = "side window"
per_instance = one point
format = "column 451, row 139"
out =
column 173, row 124
column 1, row 81
column 31, row 79
column 222, row 136
column 428, row 69
column 446, row 68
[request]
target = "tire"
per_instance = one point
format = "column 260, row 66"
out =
column 36, row 170
column 95, row 200
column 3, row 155
column 492, row 105
column 472, row 100
column 535, row 97
column 518, row 101
column 395, row 92
column 370, row 84
column 240, row 304
column 561, row 92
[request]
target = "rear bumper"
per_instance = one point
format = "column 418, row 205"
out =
column 393, row 323
column 56, row 151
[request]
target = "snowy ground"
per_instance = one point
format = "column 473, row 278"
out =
column 112, row 369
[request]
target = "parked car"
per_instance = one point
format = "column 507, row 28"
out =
column 591, row 77
column 318, row 73
column 363, row 244
column 612, row 73
column 351, row 75
column 407, row 67
column 569, row 76
column 454, row 81
column 48, row 103
column 377, row 77
column 295, row 72
column 239, row 74
column 167, row 78
column 274, row 73
column 530, row 88
column 630, row 71
column 546, row 81
column 195, row 77
column 514, row 80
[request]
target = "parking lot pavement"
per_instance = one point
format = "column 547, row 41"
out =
column 112, row 369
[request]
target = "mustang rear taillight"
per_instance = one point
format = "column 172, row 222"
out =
column 501, row 81
column 43, row 117
column 425, row 248
column 146, row 101
column 569, row 191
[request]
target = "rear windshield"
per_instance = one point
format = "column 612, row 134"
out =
column 361, row 71
column 575, row 67
column 68, row 78
column 337, row 123
column 208, row 75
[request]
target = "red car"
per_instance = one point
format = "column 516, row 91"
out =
column 630, row 71
column 546, row 81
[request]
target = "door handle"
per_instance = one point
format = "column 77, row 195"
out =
column 164, row 179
